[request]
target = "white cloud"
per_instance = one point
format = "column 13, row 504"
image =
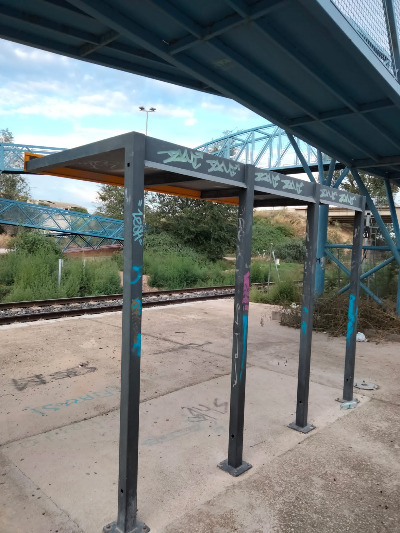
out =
column 31, row 102
column 78, row 137
column 212, row 106
column 27, row 54
column 190, row 121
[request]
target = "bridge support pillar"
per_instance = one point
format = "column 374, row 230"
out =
column 307, row 311
column 127, row 521
column 235, row 465
column 352, row 319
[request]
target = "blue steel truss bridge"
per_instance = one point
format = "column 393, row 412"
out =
column 70, row 227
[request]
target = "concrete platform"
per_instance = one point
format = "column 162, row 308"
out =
column 59, row 417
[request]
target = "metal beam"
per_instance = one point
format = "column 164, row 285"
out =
column 396, row 229
column 381, row 162
column 377, row 216
column 104, row 39
column 221, row 26
column 347, row 271
column 351, row 332
column 235, row 465
column 343, row 111
column 394, row 35
column 370, row 272
column 222, row 193
column 127, row 521
column 301, row 157
column 343, row 174
column 307, row 311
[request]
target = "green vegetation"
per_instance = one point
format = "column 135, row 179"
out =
column 31, row 272
column 285, row 292
column 12, row 186
column 207, row 228
column 266, row 232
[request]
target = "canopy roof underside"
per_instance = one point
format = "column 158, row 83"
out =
column 299, row 64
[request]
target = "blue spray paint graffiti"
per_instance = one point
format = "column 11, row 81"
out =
column 138, row 270
column 136, row 306
column 244, row 345
column 137, row 220
column 138, row 345
column 304, row 324
column 46, row 409
column 351, row 317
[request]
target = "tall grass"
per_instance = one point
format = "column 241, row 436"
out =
column 30, row 272
column 174, row 270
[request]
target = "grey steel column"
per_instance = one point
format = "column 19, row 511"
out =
column 307, row 311
column 353, row 306
column 235, row 465
column 131, row 341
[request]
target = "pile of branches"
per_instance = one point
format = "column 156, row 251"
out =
column 330, row 316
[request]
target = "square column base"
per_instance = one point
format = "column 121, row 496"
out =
column 305, row 429
column 342, row 400
column 113, row 528
column 232, row 470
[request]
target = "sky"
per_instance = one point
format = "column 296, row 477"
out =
column 51, row 100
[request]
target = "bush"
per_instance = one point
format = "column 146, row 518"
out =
column 265, row 233
column 285, row 292
column 259, row 271
column 35, row 277
column 33, row 242
column 174, row 271
column 291, row 251
column 95, row 278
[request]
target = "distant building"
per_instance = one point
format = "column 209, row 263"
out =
column 59, row 205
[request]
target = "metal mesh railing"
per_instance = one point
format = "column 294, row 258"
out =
column 368, row 18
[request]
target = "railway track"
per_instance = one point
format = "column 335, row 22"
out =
column 14, row 312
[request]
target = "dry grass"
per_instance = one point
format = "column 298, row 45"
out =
column 296, row 219
column 4, row 240
column 285, row 217
column 330, row 316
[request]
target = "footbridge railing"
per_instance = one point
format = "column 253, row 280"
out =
column 92, row 229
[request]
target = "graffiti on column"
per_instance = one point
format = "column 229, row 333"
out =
column 242, row 365
column 137, row 270
column 246, row 291
column 137, row 345
column 138, row 223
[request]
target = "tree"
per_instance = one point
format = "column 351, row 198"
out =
column 111, row 199
column 374, row 185
column 216, row 146
column 12, row 186
column 79, row 209
column 209, row 228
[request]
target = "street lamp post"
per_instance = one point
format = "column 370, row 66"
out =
column 147, row 111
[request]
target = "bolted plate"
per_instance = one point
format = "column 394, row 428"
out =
column 365, row 385
column 113, row 528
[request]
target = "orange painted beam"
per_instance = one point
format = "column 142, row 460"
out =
column 109, row 179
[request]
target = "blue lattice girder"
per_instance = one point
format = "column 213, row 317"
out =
column 52, row 219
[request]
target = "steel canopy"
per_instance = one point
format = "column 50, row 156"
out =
column 298, row 63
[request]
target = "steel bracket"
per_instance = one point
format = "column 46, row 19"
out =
column 234, row 471
column 305, row 429
column 342, row 400
column 113, row 528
